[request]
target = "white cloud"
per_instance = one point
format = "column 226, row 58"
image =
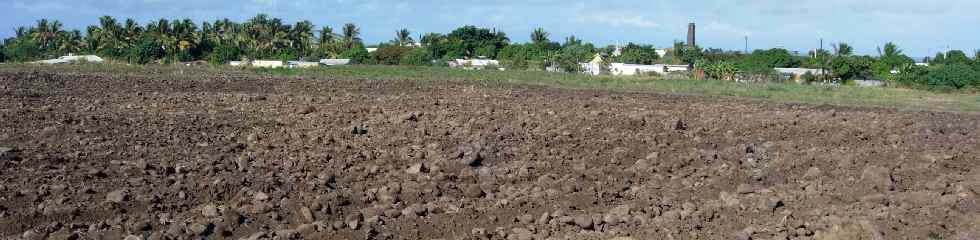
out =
column 620, row 21
column 724, row 28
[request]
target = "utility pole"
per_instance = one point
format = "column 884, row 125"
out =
column 823, row 64
column 746, row 45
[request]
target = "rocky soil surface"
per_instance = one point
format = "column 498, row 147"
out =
column 239, row 156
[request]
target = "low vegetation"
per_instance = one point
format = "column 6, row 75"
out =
column 845, row 95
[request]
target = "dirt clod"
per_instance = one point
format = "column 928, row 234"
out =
column 192, row 156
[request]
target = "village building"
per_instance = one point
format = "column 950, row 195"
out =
column 796, row 74
column 594, row 67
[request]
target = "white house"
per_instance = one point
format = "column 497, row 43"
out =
column 594, row 67
column 627, row 69
column 72, row 59
column 334, row 62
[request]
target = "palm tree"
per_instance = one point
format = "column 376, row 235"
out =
column 108, row 33
column 351, row 34
column 572, row 40
column 890, row 50
column 302, row 36
column 131, row 33
column 46, row 32
column 539, row 36
column 843, row 49
column 21, row 32
column 403, row 37
column 70, row 42
column 326, row 36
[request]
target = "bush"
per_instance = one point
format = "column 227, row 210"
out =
column 952, row 76
column 912, row 76
column 417, row 57
column 144, row 52
column 223, row 54
column 390, row 55
column 22, row 50
column 809, row 78
column 513, row 57
column 357, row 55
column 3, row 56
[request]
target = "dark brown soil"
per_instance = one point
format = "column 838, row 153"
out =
column 169, row 156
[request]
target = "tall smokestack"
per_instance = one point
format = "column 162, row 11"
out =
column 690, row 35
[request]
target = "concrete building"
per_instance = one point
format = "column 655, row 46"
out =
column 796, row 74
column 594, row 67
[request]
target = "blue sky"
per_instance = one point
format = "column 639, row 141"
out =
column 919, row 27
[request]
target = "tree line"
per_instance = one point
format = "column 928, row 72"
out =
column 262, row 37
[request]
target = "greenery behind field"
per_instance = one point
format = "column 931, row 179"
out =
column 169, row 41
column 845, row 95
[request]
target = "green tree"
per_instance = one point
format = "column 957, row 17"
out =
column 403, row 38
column 146, row 51
column 843, row 49
column 514, row 56
column 22, row 50
column 892, row 56
column 351, row 34
column 940, row 58
column 847, row 68
column 718, row 70
column 390, row 54
column 357, row 55
column 464, row 41
column 417, row 57
column 539, row 36
column 3, row 54
column 952, row 76
column 688, row 54
column 224, row 53
column 957, row 57
column 571, row 41
column 912, row 76
column 302, row 38
column 766, row 60
column 638, row 54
